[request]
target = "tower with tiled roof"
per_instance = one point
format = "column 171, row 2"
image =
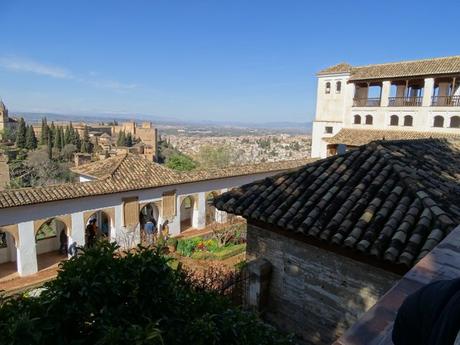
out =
column 418, row 98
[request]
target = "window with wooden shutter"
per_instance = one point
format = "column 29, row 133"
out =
column 130, row 212
column 169, row 204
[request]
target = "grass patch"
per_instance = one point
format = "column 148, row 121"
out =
column 222, row 254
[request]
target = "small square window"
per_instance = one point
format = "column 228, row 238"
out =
column 328, row 129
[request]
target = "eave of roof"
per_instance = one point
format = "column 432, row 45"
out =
column 393, row 200
column 129, row 172
column 411, row 68
column 358, row 137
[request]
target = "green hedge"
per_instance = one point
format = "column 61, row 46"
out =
column 103, row 298
column 224, row 253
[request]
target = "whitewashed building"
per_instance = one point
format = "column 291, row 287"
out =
column 401, row 100
column 118, row 192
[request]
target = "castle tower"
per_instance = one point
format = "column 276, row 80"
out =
column 3, row 116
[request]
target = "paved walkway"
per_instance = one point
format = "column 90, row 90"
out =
column 47, row 265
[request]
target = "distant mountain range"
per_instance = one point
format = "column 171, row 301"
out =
column 304, row 127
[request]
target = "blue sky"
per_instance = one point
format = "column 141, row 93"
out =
column 236, row 60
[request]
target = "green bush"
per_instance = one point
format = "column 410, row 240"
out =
column 172, row 241
column 105, row 298
column 187, row 246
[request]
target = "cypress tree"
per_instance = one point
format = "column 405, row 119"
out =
column 129, row 140
column 67, row 136
column 121, row 141
column 57, row 139
column 77, row 140
column 86, row 145
column 52, row 130
column 61, row 133
column 49, row 146
column 31, row 139
column 44, row 134
column 21, row 134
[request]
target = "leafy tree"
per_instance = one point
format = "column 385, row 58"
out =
column 180, row 162
column 103, row 297
column 31, row 139
column 215, row 156
column 68, row 151
column 21, row 134
column 8, row 135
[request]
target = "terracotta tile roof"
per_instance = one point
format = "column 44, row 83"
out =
column 128, row 172
column 394, row 200
column 339, row 68
column 425, row 67
column 358, row 137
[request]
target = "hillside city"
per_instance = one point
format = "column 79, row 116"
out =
column 33, row 154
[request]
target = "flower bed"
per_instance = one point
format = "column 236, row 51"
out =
column 199, row 248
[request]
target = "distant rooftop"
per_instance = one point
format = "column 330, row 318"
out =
column 424, row 67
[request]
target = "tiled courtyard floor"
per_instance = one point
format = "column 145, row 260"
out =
column 47, row 266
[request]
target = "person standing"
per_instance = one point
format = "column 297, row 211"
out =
column 91, row 233
column 149, row 229
column 63, row 242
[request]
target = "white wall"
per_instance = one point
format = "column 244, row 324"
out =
column 25, row 215
column 337, row 110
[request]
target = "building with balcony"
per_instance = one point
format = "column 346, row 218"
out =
column 409, row 99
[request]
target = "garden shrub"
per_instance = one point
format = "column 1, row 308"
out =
column 103, row 297
column 220, row 253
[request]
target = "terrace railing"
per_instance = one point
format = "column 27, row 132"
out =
column 446, row 101
column 405, row 101
column 366, row 102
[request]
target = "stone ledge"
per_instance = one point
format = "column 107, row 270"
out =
column 375, row 326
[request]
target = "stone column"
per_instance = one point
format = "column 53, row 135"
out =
column 78, row 229
column 174, row 223
column 221, row 216
column 428, row 92
column 26, row 250
column 386, row 86
column 199, row 212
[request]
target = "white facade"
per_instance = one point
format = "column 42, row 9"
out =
column 20, row 223
column 414, row 108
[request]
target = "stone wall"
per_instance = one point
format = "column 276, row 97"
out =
column 315, row 293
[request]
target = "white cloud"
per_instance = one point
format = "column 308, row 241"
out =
column 27, row 65
column 111, row 84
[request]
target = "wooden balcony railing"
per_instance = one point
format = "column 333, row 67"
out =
column 405, row 101
column 446, row 101
column 366, row 102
